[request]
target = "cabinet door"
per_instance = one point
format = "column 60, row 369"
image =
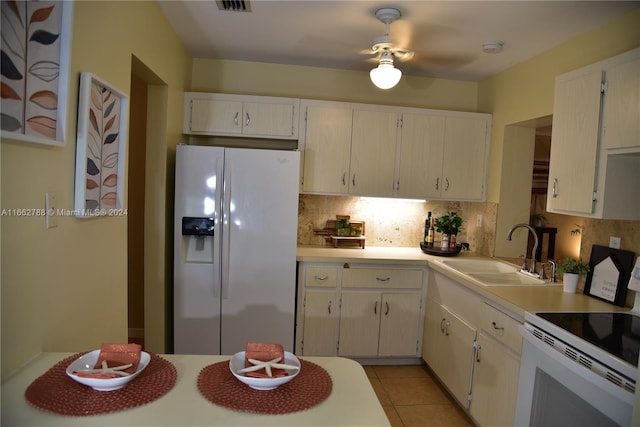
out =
column 463, row 170
column 359, row 323
column 320, row 324
column 267, row 119
column 209, row 115
column 421, row 154
column 621, row 123
column 574, row 143
column 495, row 383
column 448, row 349
column 399, row 325
column 327, row 149
column 373, row 153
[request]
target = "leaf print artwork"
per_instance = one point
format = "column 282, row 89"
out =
column 34, row 74
column 31, row 50
column 102, row 157
column 101, row 148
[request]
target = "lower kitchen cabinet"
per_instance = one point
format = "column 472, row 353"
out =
column 474, row 349
column 378, row 312
column 320, row 323
column 448, row 349
column 495, row 383
column 379, row 324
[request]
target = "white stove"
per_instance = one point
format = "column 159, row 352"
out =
column 579, row 368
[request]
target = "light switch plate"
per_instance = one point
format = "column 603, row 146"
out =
column 51, row 219
column 614, row 242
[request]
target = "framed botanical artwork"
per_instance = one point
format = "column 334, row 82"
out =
column 101, row 148
column 36, row 41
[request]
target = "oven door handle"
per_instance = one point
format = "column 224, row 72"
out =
column 578, row 369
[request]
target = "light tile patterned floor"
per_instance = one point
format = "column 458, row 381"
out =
column 412, row 398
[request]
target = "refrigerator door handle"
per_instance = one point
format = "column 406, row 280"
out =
column 226, row 230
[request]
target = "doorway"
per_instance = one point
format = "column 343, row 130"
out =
column 135, row 209
column 148, row 288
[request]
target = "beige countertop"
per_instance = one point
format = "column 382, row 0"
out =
column 352, row 401
column 517, row 299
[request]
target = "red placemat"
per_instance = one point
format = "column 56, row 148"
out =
column 310, row 387
column 55, row 392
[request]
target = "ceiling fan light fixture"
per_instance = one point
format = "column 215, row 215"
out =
column 385, row 75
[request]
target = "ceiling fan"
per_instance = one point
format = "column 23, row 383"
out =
column 385, row 75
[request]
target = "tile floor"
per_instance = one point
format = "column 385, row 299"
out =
column 411, row 397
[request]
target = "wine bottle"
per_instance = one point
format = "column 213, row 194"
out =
column 431, row 232
column 427, row 227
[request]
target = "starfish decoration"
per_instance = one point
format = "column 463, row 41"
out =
column 106, row 370
column 258, row 364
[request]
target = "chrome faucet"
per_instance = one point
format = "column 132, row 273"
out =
column 532, row 268
column 552, row 263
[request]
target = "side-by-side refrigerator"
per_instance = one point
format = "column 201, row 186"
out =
column 236, row 216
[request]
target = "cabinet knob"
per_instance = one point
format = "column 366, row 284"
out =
column 496, row 327
column 246, row 123
column 235, row 119
column 329, row 307
column 438, row 183
column 383, row 279
column 555, row 187
column 320, row 277
column 387, row 310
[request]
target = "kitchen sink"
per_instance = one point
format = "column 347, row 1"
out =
column 492, row 272
column 480, row 266
column 506, row 279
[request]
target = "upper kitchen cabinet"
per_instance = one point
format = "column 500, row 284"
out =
column 385, row 151
column 594, row 164
column 348, row 150
column 443, row 156
column 373, row 152
column 241, row 115
column 621, row 128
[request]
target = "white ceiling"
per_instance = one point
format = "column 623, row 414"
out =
column 446, row 35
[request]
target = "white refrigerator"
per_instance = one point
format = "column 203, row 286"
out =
column 236, row 216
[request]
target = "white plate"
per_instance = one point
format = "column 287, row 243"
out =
column 237, row 363
column 88, row 361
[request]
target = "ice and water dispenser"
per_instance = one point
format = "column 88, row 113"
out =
column 197, row 237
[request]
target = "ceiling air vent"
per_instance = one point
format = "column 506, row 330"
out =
column 234, row 5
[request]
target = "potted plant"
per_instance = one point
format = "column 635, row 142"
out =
column 571, row 270
column 448, row 224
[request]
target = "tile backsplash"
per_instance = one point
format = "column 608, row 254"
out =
column 391, row 222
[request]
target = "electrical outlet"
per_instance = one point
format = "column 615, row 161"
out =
column 51, row 219
column 479, row 220
column 614, row 242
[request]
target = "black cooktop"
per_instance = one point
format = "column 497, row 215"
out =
column 616, row 333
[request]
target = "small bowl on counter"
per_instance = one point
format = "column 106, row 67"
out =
column 237, row 363
column 89, row 360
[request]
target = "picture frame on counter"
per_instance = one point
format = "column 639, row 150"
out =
column 36, row 45
column 101, row 148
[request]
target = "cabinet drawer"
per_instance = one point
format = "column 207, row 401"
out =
column 500, row 326
column 382, row 278
column 323, row 276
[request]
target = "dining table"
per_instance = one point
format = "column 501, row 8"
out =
column 191, row 390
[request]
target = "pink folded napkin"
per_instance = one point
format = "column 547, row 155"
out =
column 115, row 355
column 264, row 353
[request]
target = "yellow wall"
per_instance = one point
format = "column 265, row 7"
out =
column 65, row 289
column 524, row 93
column 256, row 78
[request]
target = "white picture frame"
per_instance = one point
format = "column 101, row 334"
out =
column 100, row 149
column 36, row 45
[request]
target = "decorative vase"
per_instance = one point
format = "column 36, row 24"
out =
column 570, row 282
column 444, row 245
